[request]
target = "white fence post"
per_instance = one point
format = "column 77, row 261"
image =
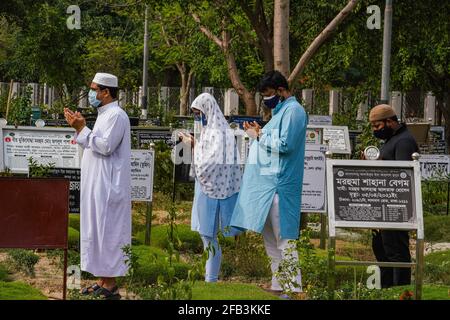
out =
column 430, row 108
column 334, row 102
column 231, row 103
column 307, row 97
column 396, row 104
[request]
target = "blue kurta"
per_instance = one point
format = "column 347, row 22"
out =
column 275, row 165
column 205, row 211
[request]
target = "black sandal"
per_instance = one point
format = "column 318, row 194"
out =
column 106, row 294
column 91, row 289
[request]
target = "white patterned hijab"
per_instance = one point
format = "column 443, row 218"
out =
column 215, row 152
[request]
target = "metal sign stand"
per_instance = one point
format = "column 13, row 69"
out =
column 324, row 215
column 149, row 206
column 332, row 263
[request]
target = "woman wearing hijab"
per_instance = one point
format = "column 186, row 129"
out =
column 217, row 178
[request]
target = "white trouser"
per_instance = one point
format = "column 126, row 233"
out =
column 277, row 248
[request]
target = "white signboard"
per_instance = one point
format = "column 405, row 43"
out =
column 434, row 166
column 314, row 179
column 45, row 145
column 142, row 168
column 337, row 136
column 320, row 120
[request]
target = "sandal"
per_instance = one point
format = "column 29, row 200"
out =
column 91, row 289
column 106, row 294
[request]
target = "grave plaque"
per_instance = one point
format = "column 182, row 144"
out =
column 142, row 168
column 314, row 180
column 74, row 176
column 153, row 136
column 374, row 194
column 435, row 166
column 337, row 136
column 45, row 145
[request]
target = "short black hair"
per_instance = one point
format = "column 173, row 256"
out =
column 273, row 79
column 112, row 91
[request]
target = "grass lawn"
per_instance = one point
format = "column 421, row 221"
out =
column 429, row 292
column 229, row 291
column 239, row 291
column 436, row 292
column 19, row 291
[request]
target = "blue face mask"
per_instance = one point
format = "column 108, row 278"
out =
column 197, row 117
column 204, row 122
column 93, row 101
column 271, row 102
column 202, row 118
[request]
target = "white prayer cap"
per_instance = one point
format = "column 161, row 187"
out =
column 106, row 79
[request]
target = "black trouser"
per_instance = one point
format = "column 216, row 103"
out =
column 392, row 246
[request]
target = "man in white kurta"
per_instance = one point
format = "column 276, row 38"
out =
column 105, row 187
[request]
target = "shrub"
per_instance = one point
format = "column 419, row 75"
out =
column 437, row 228
column 152, row 263
column 73, row 259
column 434, row 196
column 4, row 274
column 437, row 267
column 74, row 221
column 189, row 240
column 245, row 257
column 20, row 113
column 23, row 260
column 74, row 238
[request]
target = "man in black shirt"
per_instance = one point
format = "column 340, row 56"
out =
column 390, row 245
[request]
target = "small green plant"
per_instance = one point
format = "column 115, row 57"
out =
column 23, row 260
column 168, row 285
column 21, row 109
column 365, row 139
column 6, row 173
column 4, row 273
column 37, row 170
column 288, row 269
column 132, row 263
column 245, row 257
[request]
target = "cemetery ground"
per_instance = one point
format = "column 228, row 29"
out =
column 172, row 269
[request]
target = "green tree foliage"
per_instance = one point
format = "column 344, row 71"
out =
column 37, row 46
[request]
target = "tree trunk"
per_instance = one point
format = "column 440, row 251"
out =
column 319, row 40
column 248, row 97
column 186, row 79
column 224, row 44
column 281, row 37
column 257, row 18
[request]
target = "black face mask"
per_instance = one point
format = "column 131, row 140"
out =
column 384, row 133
